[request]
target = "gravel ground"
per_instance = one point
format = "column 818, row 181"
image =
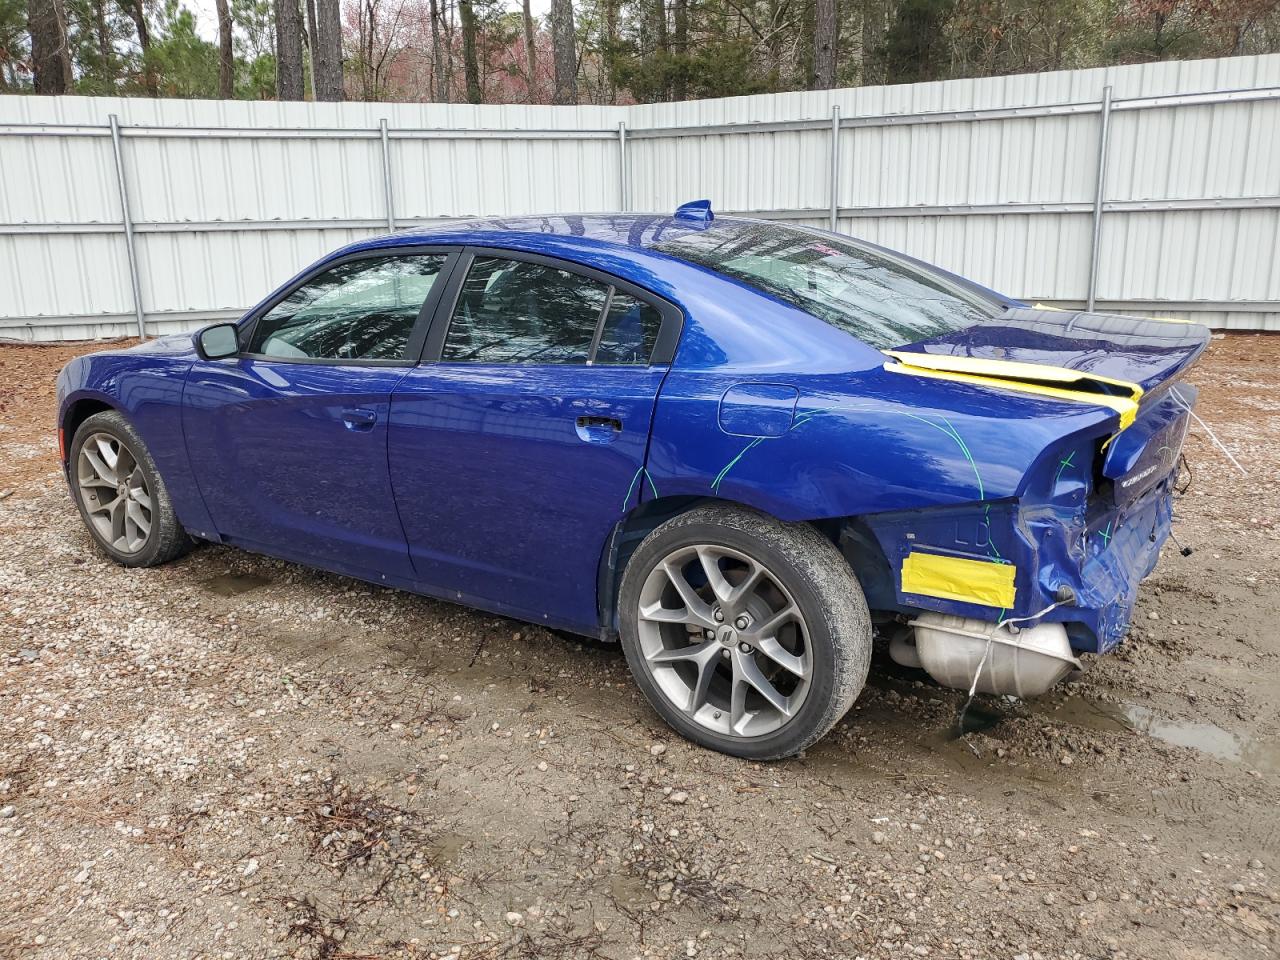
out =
column 236, row 757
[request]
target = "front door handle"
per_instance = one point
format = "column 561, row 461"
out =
column 598, row 429
column 358, row 418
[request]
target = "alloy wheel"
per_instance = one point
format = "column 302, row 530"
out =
column 114, row 491
column 724, row 641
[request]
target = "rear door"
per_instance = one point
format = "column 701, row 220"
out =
column 288, row 440
column 520, row 441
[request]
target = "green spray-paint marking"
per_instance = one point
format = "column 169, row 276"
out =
column 715, row 484
column 1063, row 464
column 755, row 442
column 951, row 432
column 636, row 479
column 1106, row 536
column 948, row 428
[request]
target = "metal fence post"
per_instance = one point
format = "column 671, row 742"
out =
column 835, row 166
column 1104, row 133
column 127, row 217
column 623, row 186
column 388, row 197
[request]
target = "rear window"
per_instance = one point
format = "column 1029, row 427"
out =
column 883, row 301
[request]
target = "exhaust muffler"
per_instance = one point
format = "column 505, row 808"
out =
column 1022, row 662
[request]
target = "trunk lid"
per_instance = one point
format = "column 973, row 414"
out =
column 1105, row 349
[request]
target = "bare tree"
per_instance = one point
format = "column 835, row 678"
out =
column 327, row 52
column 438, row 65
column 226, row 58
column 564, row 52
column 50, row 55
column 530, row 51
column 288, row 50
column 470, row 66
column 826, row 36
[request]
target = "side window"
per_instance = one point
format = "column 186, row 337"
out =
column 513, row 311
column 359, row 310
column 630, row 331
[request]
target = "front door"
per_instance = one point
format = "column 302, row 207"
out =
column 288, row 441
column 515, row 454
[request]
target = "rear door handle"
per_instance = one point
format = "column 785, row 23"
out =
column 598, row 429
column 358, row 418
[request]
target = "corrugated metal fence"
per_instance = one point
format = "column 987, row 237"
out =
column 1149, row 189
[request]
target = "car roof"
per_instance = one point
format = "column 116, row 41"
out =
column 606, row 235
column 635, row 230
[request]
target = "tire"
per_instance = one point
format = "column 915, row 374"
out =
column 145, row 497
column 741, row 628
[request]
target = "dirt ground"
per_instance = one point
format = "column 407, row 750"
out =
column 236, row 757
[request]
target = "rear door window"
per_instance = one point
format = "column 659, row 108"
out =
column 516, row 311
column 524, row 312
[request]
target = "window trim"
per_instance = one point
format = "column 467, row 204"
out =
column 664, row 346
column 417, row 335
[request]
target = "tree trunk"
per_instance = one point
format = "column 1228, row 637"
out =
column 563, row 48
column 469, row 65
column 50, row 58
column 680, row 43
column 105, row 50
column 327, row 62
column 873, row 15
column 661, row 39
column 309, row 43
column 288, row 50
column 826, row 36
column 530, row 53
column 139, row 17
column 226, row 59
column 610, row 46
column 437, row 56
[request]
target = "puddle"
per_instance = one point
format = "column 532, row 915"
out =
column 1198, row 735
column 230, row 584
column 447, row 847
column 629, row 890
column 1207, row 738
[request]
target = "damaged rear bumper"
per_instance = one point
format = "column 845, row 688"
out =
column 1079, row 539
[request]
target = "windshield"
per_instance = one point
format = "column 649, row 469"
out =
column 881, row 300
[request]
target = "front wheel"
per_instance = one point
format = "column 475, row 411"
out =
column 748, row 635
column 121, row 496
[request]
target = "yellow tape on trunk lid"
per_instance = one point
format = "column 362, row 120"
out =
column 983, row 582
column 1059, row 383
column 1045, row 306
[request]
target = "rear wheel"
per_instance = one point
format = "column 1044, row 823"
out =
column 120, row 494
column 748, row 635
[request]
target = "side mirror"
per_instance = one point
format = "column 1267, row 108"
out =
column 218, row 342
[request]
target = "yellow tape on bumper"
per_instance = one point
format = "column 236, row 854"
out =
column 1059, row 383
column 983, row 582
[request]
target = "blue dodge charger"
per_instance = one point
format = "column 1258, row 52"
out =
column 740, row 448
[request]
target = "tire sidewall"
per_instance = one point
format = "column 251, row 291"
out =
column 812, row 720
column 115, row 424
